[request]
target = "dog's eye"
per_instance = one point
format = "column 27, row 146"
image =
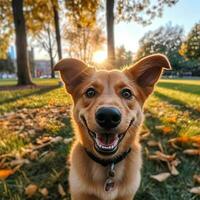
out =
column 126, row 93
column 91, row 92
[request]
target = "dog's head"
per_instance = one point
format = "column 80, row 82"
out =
column 108, row 104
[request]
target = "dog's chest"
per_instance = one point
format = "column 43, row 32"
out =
column 95, row 185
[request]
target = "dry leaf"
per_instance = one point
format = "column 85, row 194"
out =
column 57, row 139
column 144, row 134
column 19, row 162
column 67, row 140
column 34, row 155
column 161, row 156
column 196, row 178
column 192, row 152
column 174, row 171
column 44, row 192
column 4, row 173
column 152, row 143
column 61, row 190
column 31, row 189
column 195, row 190
column 161, row 177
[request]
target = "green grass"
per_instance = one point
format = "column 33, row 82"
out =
column 35, row 113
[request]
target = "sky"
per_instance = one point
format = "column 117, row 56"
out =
column 185, row 13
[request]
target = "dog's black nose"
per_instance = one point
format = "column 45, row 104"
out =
column 108, row 117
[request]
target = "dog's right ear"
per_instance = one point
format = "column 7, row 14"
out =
column 73, row 72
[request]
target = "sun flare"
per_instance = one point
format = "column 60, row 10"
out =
column 99, row 56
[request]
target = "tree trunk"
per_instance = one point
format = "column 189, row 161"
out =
column 57, row 29
column 110, row 32
column 51, row 53
column 23, row 70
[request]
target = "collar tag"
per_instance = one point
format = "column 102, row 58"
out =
column 109, row 183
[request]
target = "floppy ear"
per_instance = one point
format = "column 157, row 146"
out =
column 147, row 71
column 73, row 72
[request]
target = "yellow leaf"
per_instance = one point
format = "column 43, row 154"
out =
column 31, row 189
column 4, row 173
column 161, row 177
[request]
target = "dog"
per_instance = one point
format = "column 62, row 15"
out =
column 105, row 159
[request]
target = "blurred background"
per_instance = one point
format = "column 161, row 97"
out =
column 35, row 128
column 35, row 34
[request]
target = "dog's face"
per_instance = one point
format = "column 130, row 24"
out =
column 108, row 104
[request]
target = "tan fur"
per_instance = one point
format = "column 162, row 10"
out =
column 86, row 177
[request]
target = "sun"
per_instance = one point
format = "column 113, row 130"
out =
column 99, row 56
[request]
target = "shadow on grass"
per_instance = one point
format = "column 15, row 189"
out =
column 188, row 88
column 37, row 92
column 193, row 113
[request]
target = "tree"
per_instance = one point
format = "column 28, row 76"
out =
column 23, row 70
column 167, row 40
column 142, row 12
column 83, row 42
column 110, row 32
column 35, row 14
column 6, row 29
column 7, row 65
column 191, row 47
column 123, row 57
column 57, row 27
column 46, row 40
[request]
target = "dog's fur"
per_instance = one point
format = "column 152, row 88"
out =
column 86, row 177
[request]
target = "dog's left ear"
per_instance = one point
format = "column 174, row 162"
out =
column 73, row 72
column 147, row 71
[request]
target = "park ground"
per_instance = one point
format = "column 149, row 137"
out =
column 35, row 131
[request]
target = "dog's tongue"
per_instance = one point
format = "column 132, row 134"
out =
column 107, row 139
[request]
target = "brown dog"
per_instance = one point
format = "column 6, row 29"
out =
column 107, row 114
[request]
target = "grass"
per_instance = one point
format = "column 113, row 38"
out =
column 30, row 115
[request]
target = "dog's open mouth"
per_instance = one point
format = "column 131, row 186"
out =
column 106, row 143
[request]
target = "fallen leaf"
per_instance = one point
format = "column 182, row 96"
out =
column 195, row 190
column 31, row 189
column 4, row 173
column 172, row 119
column 19, row 162
column 174, row 171
column 34, row 155
column 67, row 140
column 144, row 134
column 192, row 152
column 161, row 156
column 57, row 139
column 61, row 190
column 166, row 129
column 196, row 178
column 161, row 177
column 44, row 192
column 152, row 143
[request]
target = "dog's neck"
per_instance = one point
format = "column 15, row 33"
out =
column 107, row 162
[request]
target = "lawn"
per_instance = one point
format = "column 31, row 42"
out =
column 35, row 132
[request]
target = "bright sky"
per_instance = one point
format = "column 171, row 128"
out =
column 185, row 13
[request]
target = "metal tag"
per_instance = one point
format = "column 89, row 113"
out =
column 109, row 185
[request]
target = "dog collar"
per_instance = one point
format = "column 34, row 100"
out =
column 107, row 162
